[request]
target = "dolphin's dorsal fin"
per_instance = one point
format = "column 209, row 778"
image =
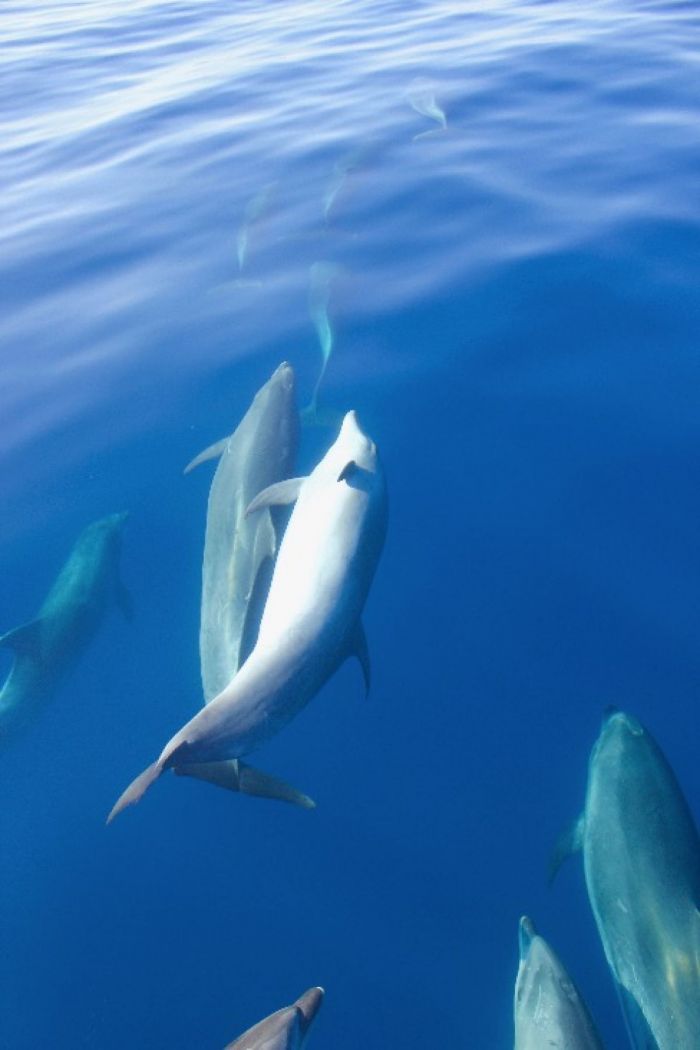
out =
column 24, row 640
column 125, row 602
column 277, row 495
column 348, row 470
column 213, row 452
column 569, row 842
column 360, row 649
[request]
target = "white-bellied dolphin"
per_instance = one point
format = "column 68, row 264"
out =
column 239, row 554
column 641, row 857
column 548, row 1010
column 47, row 647
column 286, row 1029
column 311, row 622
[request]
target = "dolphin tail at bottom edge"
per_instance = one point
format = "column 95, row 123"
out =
column 136, row 789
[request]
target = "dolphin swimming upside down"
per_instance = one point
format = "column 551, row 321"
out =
column 311, row 621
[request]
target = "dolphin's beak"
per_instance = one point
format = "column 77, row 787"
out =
column 284, row 374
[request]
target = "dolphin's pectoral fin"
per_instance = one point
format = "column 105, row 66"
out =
column 213, row 452
column 277, row 495
column 569, row 842
column 360, row 649
column 125, row 602
column 237, row 776
column 24, row 640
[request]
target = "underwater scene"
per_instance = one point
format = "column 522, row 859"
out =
column 350, row 576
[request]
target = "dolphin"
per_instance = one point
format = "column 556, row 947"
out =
column 238, row 549
column 321, row 275
column 421, row 96
column 48, row 647
column 239, row 553
column 641, row 857
column 548, row 1009
column 254, row 209
column 286, row 1029
column 311, row 621
column 343, row 167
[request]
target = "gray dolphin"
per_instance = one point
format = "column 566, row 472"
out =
column 47, row 647
column 255, row 207
column 641, row 857
column 321, row 276
column 239, row 554
column 260, row 452
column 548, row 1010
column 343, row 167
column 286, row 1029
column 311, row 622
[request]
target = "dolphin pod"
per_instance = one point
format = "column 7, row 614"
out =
column 239, row 553
column 641, row 857
column 311, row 621
column 47, row 647
column 548, row 1010
column 286, row 1029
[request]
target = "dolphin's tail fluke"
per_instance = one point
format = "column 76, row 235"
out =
column 235, row 775
column 136, row 789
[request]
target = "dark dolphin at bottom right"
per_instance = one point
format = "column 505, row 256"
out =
column 641, row 856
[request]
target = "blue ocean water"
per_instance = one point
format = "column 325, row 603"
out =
column 516, row 313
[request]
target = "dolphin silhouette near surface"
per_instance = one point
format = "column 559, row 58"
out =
column 311, row 621
column 641, row 857
column 239, row 554
column 286, row 1029
column 548, row 1010
column 49, row 646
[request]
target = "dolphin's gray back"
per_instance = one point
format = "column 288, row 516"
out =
column 239, row 550
column 279, row 1031
column 548, row 1010
column 284, row 1030
column 642, row 864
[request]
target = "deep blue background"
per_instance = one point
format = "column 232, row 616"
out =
column 516, row 317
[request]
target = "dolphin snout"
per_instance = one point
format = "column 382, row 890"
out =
column 284, row 375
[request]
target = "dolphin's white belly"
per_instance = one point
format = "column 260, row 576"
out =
column 311, row 588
